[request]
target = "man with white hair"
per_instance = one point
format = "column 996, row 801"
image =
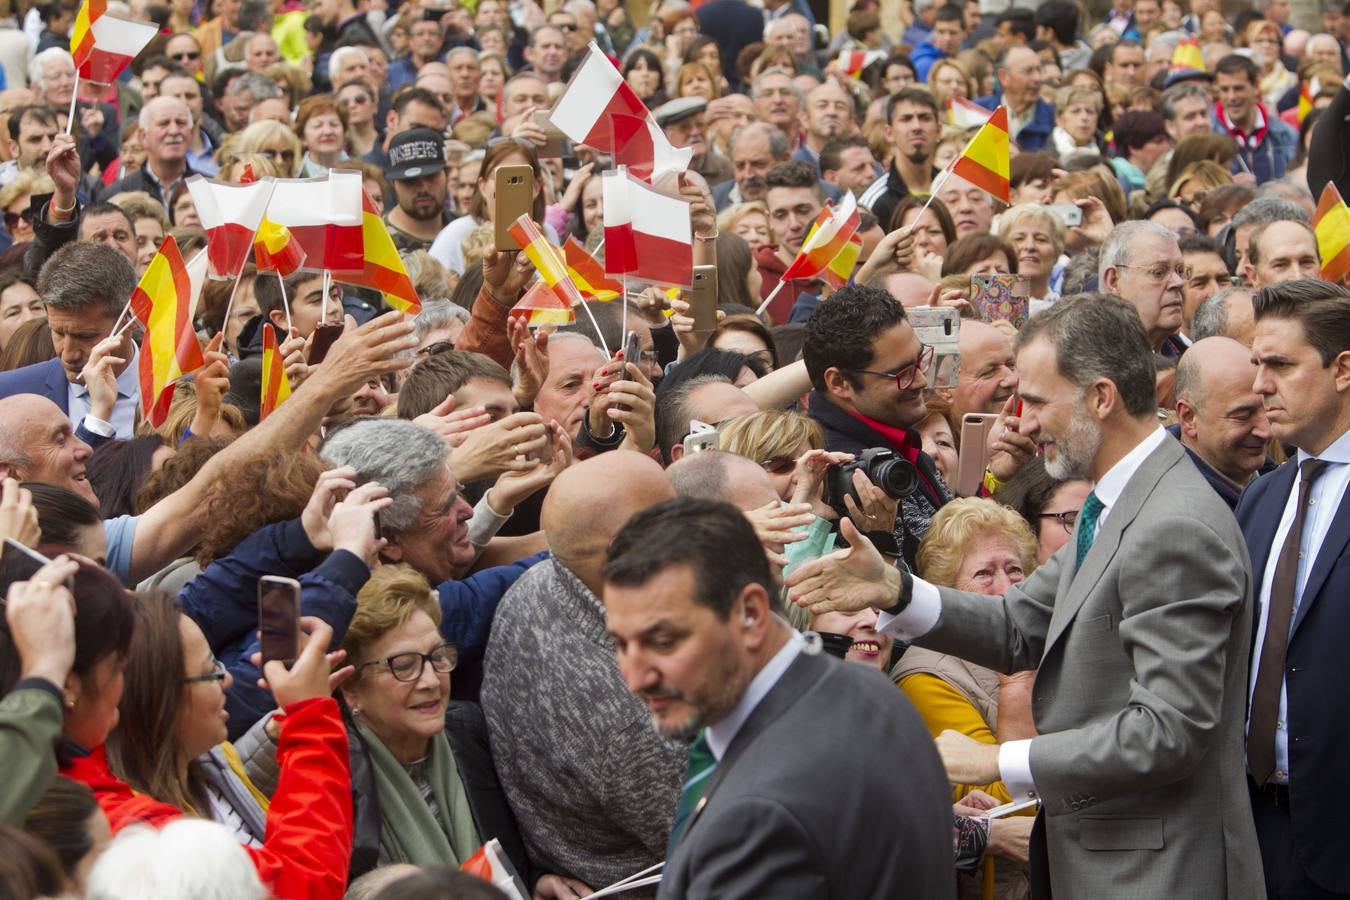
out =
column 260, row 52
column 348, row 64
column 1323, row 48
column 1142, row 262
column 464, row 72
column 166, row 133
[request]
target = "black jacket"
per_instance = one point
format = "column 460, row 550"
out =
column 466, row 730
column 844, row 433
column 1227, row 490
column 1327, row 159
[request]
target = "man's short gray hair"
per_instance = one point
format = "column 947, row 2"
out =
column 702, row 476
column 256, row 85
column 1184, row 91
column 401, row 455
column 1211, row 316
column 1286, row 189
column 186, row 858
column 1116, row 248
column 39, row 62
column 1265, row 210
column 460, row 51
column 83, row 274
column 436, row 314
column 674, row 411
column 776, row 70
column 335, row 61
column 778, row 145
column 162, row 100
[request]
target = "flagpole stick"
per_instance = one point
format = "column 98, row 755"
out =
column 74, row 95
column 229, row 304
column 600, row 337
column 769, row 299
column 327, row 283
column 285, row 304
column 625, row 311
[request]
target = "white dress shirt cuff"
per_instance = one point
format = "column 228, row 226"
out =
column 99, row 427
column 916, row 619
column 1014, row 768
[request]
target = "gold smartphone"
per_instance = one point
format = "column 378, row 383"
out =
column 514, row 198
column 702, row 298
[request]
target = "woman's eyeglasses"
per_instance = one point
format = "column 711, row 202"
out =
column 409, row 666
column 287, row 156
column 217, row 673
column 12, row 219
column 1067, row 518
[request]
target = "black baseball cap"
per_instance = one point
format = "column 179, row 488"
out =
column 414, row 153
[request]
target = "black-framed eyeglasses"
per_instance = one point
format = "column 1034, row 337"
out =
column 435, row 347
column 904, row 376
column 287, row 156
column 217, row 673
column 1068, row 519
column 408, row 666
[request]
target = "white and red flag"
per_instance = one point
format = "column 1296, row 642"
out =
column 647, row 233
column 323, row 216
column 231, row 214
column 103, row 45
column 641, row 145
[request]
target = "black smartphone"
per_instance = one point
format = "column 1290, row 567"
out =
column 325, row 335
column 379, row 531
column 279, row 618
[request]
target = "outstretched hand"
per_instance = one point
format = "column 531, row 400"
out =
column 846, row 580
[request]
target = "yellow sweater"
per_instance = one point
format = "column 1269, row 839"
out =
column 943, row 708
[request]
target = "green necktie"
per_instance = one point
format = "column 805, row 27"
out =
column 701, row 765
column 1087, row 525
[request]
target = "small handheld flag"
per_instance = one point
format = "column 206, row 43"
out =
column 384, row 270
column 648, row 234
column 1331, row 223
column 986, row 161
column 588, row 274
column 103, row 45
column 831, row 233
column 548, row 262
column 276, row 387
column 165, row 301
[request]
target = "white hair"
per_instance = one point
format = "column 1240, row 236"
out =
column 460, row 51
column 1116, row 249
column 144, row 119
column 39, row 62
column 188, row 859
column 335, row 61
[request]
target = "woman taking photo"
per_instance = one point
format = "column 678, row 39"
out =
column 448, row 248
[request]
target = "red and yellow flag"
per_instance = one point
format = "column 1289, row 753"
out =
column 1188, row 55
column 548, row 261
column 384, row 270
column 275, row 251
column 276, row 387
column 165, row 302
column 986, row 162
column 840, row 270
column 542, row 306
column 588, row 274
column 1331, row 223
column 832, row 232
column 1307, row 93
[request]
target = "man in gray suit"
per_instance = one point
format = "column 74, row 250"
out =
column 808, row 776
column 1139, row 627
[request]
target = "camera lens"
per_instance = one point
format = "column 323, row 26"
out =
column 894, row 476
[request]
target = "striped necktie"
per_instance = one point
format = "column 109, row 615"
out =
column 701, row 766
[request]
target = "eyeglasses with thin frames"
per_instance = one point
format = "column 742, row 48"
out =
column 1067, row 519
column 409, row 666
column 1160, row 271
column 217, row 673
column 904, row 376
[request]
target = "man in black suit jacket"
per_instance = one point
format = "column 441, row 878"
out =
column 1297, row 526
column 767, row 809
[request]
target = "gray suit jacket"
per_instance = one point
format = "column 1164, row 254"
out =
column 831, row 789
column 1140, row 693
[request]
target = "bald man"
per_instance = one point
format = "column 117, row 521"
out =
column 728, row 477
column 1220, row 419
column 592, row 785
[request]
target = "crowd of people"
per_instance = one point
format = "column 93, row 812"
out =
column 788, row 605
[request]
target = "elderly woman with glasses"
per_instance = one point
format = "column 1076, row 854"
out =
column 423, row 784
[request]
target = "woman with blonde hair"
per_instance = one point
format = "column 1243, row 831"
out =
column 774, row 438
column 16, row 199
column 948, row 79
column 275, row 142
column 748, row 220
column 1196, row 181
column 694, row 79
column 1037, row 237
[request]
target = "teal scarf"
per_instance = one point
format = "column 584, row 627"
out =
column 409, row 831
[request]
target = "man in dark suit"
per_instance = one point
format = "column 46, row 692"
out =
column 1297, row 526
column 1138, row 628
column 770, row 806
column 92, row 379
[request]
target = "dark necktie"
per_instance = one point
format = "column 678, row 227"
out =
column 1270, row 668
column 701, row 765
column 1087, row 525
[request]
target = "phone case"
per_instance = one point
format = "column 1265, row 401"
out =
column 702, row 298
column 1004, row 297
column 514, row 198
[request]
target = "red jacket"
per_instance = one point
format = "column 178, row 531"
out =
column 308, row 843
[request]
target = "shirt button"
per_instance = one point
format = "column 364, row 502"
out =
column 1279, row 726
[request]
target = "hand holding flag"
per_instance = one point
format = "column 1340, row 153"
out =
column 648, row 234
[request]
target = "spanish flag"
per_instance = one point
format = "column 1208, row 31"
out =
column 832, row 232
column 275, row 251
column 1307, row 93
column 384, row 270
column 542, row 306
column 588, row 274
column 853, row 62
column 840, row 270
column 1331, row 223
column 104, row 45
column 276, row 387
column 987, row 160
column 165, row 302
column 1187, row 55
column 548, row 262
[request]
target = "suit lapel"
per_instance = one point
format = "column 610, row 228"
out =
column 1139, row 488
column 58, row 387
column 1265, row 522
column 1327, row 555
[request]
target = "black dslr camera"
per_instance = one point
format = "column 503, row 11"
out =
column 892, row 473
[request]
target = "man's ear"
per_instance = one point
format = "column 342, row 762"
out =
column 1111, row 280
column 837, row 383
column 392, row 552
column 1186, row 418
column 676, row 452
column 755, row 615
column 278, row 318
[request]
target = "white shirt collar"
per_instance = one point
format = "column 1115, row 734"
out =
column 1338, row 452
column 720, row 734
column 1111, row 485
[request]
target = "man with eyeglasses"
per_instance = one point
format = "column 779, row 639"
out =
column 566, row 22
column 184, row 51
column 1142, row 262
column 425, row 38
column 1220, row 419
column 869, row 371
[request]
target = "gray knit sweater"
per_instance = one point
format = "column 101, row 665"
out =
column 592, row 785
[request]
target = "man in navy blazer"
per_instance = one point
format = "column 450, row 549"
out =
column 1030, row 119
column 1297, row 526
column 84, row 287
